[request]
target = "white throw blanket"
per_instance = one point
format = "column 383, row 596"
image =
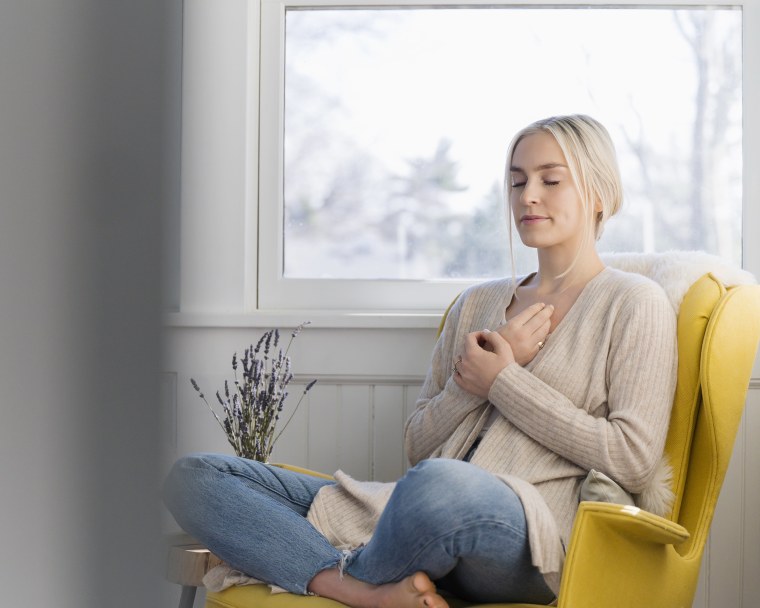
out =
column 676, row 271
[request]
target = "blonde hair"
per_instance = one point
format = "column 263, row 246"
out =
column 592, row 162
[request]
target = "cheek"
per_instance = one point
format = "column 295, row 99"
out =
column 571, row 205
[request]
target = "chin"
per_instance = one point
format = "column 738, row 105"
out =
column 532, row 242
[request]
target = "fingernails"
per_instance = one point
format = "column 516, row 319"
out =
column 486, row 331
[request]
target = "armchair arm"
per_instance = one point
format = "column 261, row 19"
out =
column 296, row 469
column 624, row 556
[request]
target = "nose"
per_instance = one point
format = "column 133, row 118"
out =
column 529, row 194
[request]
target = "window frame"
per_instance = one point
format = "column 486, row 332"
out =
column 265, row 287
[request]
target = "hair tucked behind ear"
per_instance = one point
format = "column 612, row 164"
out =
column 591, row 159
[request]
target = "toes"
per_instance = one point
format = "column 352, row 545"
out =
column 422, row 583
column 425, row 591
column 434, row 602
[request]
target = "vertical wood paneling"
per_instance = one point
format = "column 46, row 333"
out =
column 388, row 428
column 293, row 446
column 751, row 484
column 412, row 392
column 324, row 428
column 354, row 452
column 700, row 598
column 726, row 535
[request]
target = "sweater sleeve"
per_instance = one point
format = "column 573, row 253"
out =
column 640, row 380
column 442, row 404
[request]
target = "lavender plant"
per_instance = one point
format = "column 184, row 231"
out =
column 252, row 406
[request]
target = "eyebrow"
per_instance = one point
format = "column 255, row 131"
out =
column 539, row 168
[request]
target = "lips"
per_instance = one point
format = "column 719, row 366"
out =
column 532, row 219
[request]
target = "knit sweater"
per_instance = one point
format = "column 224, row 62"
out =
column 598, row 395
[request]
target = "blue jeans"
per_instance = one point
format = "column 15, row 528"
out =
column 447, row 518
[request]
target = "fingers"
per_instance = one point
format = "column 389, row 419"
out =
column 491, row 341
column 455, row 369
column 535, row 317
column 542, row 330
column 484, row 354
column 527, row 329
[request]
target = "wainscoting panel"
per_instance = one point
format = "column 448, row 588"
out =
column 750, row 522
column 324, row 428
column 355, row 425
column 388, row 432
column 354, row 442
column 724, row 559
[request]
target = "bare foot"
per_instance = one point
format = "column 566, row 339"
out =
column 415, row 591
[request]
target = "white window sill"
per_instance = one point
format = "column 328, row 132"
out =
column 318, row 319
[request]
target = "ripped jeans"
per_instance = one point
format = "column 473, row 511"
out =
column 447, row 518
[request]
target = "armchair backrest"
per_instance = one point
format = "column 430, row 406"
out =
column 718, row 332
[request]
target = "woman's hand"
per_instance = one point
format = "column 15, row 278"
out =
column 485, row 354
column 526, row 332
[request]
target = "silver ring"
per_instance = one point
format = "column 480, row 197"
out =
column 541, row 344
column 457, row 362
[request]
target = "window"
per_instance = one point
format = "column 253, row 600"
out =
column 383, row 133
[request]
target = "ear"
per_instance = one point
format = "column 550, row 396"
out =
column 599, row 210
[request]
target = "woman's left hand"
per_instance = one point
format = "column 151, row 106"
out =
column 485, row 354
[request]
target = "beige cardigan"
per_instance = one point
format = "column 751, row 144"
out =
column 597, row 396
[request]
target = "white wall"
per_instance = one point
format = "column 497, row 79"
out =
column 368, row 368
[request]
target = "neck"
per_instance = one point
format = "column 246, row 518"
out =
column 550, row 267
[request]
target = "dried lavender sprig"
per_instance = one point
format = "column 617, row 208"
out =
column 196, row 387
column 267, row 344
column 251, row 416
column 294, row 333
column 258, row 344
column 298, row 329
column 202, row 396
column 306, row 390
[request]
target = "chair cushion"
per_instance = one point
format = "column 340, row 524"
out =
column 258, row 596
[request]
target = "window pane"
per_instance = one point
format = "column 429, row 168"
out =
column 397, row 123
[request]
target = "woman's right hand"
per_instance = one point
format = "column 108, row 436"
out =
column 527, row 331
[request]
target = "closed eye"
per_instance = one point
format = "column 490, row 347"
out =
column 545, row 182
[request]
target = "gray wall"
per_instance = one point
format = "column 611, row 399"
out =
column 86, row 159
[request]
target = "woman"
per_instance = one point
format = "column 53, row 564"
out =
column 534, row 381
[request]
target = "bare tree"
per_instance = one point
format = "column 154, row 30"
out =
column 697, row 190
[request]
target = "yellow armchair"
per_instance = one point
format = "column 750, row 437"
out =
column 619, row 556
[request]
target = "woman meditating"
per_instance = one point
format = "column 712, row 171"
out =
column 534, row 381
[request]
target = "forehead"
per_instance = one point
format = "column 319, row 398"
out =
column 537, row 150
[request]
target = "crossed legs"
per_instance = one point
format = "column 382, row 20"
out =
column 448, row 523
